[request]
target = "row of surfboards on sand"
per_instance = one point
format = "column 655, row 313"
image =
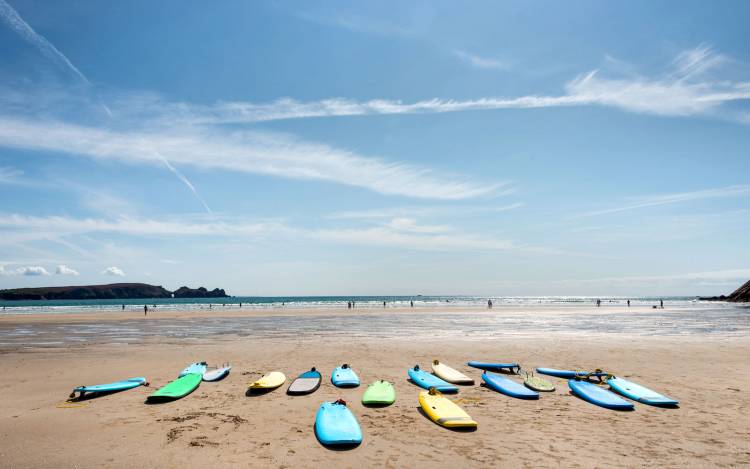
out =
column 336, row 425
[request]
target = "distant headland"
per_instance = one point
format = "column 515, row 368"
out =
column 112, row 291
column 740, row 295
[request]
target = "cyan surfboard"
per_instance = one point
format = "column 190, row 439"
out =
column 568, row 374
column 596, row 395
column 110, row 387
column 508, row 387
column 335, row 425
column 344, row 377
column 512, row 367
column 427, row 380
column 639, row 393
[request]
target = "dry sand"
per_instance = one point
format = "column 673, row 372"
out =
column 218, row 425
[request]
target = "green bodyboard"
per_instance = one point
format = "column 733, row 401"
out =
column 178, row 388
column 538, row 384
column 379, row 393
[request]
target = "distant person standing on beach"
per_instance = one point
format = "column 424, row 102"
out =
column 123, row 307
column 145, row 310
column 384, row 304
column 412, row 303
column 661, row 303
column 628, row 303
column 598, row 302
column 489, row 304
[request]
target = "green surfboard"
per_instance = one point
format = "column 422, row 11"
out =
column 379, row 393
column 178, row 388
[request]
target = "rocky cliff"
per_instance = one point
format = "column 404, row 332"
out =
column 740, row 295
column 88, row 292
column 185, row 292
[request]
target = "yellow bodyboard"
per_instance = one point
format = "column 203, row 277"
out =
column 271, row 380
column 443, row 411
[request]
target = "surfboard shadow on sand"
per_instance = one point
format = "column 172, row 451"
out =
column 338, row 446
column 453, row 429
column 95, row 395
column 259, row 392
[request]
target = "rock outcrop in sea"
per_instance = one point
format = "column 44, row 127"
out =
column 740, row 295
column 200, row 292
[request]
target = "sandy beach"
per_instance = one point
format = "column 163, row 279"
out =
column 219, row 425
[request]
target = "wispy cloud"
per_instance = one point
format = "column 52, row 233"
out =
column 634, row 203
column 481, row 62
column 422, row 211
column 14, row 21
column 114, row 270
column 257, row 152
column 10, row 175
column 63, row 269
column 182, row 178
column 684, row 89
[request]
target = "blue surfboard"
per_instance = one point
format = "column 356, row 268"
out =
column 198, row 368
column 512, row 367
column 344, row 377
column 110, row 387
column 599, row 396
column 427, row 380
column 508, row 387
column 639, row 393
column 335, row 425
column 567, row 374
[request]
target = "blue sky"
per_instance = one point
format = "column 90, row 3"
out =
column 380, row 148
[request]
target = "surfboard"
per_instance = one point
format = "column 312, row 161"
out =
column 443, row 411
column 379, row 393
column 538, row 384
column 197, row 367
column 335, row 425
column 508, row 387
column 451, row 375
column 568, row 374
column 639, row 393
column 177, row 389
column 344, row 377
column 598, row 396
column 512, row 367
column 271, row 380
column 216, row 374
column 109, row 387
column 426, row 380
column 306, row 383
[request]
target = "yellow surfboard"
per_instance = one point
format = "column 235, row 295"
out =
column 271, row 380
column 449, row 374
column 443, row 411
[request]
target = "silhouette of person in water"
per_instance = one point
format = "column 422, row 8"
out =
column 598, row 302
column 123, row 307
column 489, row 304
column 145, row 310
column 628, row 303
column 384, row 304
column 661, row 303
column 412, row 303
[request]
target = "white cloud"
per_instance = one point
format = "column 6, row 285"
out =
column 32, row 271
column 422, row 211
column 113, row 271
column 253, row 152
column 63, row 269
column 9, row 175
column 479, row 61
column 674, row 198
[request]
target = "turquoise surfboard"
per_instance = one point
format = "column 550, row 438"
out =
column 568, row 374
column 198, row 367
column 335, row 425
column 110, row 387
column 427, row 380
column 639, row 393
column 596, row 395
column 344, row 377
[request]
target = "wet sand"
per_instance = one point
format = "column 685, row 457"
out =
column 219, row 425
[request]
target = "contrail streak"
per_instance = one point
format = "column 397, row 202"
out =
column 11, row 17
column 185, row 180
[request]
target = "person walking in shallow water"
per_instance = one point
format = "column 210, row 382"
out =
column 489, row 304
column 661, row 303
column 628, row 303
column 145, row 310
